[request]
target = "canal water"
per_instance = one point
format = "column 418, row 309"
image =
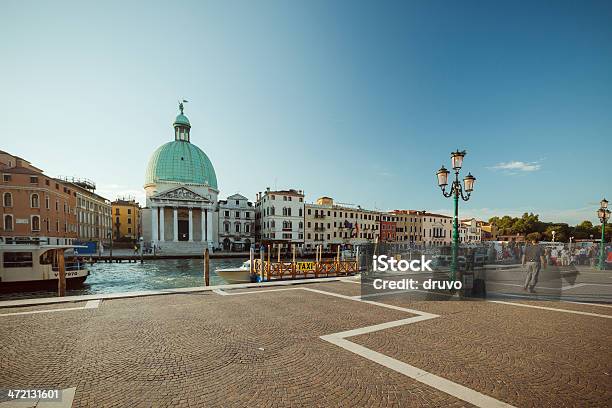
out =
column 151, row 275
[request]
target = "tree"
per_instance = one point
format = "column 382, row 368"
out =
column 533, row 236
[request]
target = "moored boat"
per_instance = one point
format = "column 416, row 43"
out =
column 239, row 274
column 25, row 266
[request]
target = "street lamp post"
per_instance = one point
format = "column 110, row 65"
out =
column 456, row 191
column 604, row 215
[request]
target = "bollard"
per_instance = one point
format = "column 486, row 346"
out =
column 61, row 275
column 206, row 268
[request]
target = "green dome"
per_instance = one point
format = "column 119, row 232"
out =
column 182, row 162
column 181, row 120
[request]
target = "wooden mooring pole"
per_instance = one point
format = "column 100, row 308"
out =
column 206, row 268
column 61, row 275
column 268, row 266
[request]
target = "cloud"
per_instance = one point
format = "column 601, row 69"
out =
column 517, row 166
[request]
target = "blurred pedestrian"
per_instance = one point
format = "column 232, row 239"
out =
column 532, row 261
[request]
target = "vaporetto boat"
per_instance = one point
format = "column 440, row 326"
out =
column 31, row 266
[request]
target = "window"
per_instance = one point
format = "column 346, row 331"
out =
column 17, row 259
column 237, row 214
column 237, row 202
column 129, row 220
column 226, row 227
column 8, row 222
column 300, row 211
column 116, row 211
column 247, row 228
column 34, row 201
column 35, row 223
column 7, row 200
column 33, row 180
column 129, row 230
column 237, row 227
column 6, row 177
column 129, row 210
column 47, row 202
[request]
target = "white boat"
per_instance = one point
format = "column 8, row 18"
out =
column 34, row 265
column 239, row 274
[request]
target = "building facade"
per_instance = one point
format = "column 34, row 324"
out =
column 488, row 231
column 279, row 218
column 181, row 196
column 388, row 227
column 126, row 219
column 236, row 223
column 328, row 225
column 437, row 229
column 409, row 227
column 92, row 210
column 470, row 231
column 35, row 206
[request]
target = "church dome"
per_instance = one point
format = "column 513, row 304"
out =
column 180, row 161
column 181, row 120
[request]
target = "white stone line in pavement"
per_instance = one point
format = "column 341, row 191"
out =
column 442, row 384
column 551, row 308
column 526, row 297
column 65, row 401
column 339, row 339
column 587, row 303
column 568, row 287
column 122, row 295
column 220, row 292
column 91, row 304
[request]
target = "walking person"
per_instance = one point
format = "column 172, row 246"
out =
column 533, row 258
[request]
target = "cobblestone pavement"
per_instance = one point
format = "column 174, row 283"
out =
column 263, row 349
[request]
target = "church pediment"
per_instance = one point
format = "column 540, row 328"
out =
column 181, row 194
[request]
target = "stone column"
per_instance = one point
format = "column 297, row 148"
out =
column 190, row 224
column 175, row 226
column 203, row 226
column 161, row 224
column 154, row 224
column 209, row 225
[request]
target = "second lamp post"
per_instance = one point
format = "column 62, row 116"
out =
column 456, row 191
column 604, row 215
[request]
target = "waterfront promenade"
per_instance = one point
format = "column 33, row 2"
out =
column 316, row 344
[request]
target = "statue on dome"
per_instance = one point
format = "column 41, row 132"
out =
column 181, row 105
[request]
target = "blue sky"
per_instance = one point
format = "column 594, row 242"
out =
column 361, row 101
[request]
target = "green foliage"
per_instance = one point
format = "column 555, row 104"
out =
column 530, row 223
column 533, row 236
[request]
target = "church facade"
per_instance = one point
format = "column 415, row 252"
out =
column 181, row 214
